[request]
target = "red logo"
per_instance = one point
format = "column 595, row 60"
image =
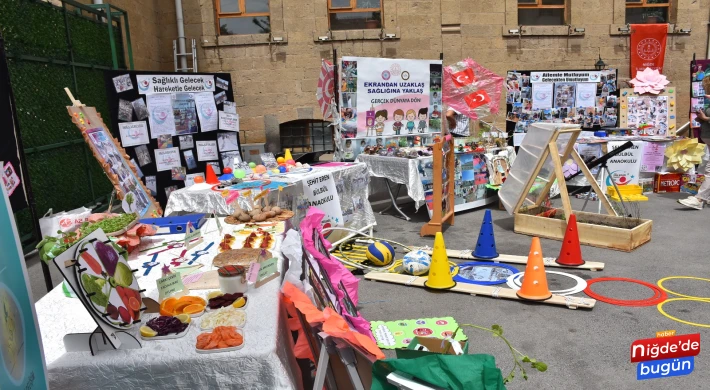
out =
column 665, row 348
column 648, row 49
column 65, row 223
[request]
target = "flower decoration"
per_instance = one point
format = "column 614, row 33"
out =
column 649, row 81
column 569, row 168
column 684, row 154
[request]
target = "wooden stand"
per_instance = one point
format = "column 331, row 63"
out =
column 475, row 289
column 443, row 189
column 598, row 230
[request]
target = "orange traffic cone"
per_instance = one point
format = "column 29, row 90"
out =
column 571, row 252
column 211, row 177
column 534, row 286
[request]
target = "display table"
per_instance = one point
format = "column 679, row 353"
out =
column 352, row 181
column 416, row 175
column 266, row 358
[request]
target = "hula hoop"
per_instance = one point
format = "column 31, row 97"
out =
column 513, row 282
column 658, row 294
column 461, row 279
column 660, row 284
column 660, row 309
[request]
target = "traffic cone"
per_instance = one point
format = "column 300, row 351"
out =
column 211, row 177
column 439, row 272
column 287, row 155
column 534, row 286
column 571, row 252
column 486, row 245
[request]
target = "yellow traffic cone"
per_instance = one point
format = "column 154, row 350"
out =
column 287, row 155
column 439, row 272
column 534, row 287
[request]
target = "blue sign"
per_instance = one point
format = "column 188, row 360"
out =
column 21, row 358
column 665, row 368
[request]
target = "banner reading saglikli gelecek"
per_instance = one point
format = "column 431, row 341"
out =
column 648, row 47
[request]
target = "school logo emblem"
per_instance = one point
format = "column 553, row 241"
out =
column 405, row 75
column 144, row 85
column 648, row 49
column 396, row 70
column 208, row 84
column 386, row 75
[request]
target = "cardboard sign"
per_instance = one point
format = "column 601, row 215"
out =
column 191, row 235
column 322, row 194
column 169, row 286
column 268, row 270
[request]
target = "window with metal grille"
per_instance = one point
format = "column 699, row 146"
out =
column 647, row 11
column 541, row 12
column 305, row 135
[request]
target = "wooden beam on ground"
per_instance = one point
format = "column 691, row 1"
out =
column 475, row 289
column 549, row 261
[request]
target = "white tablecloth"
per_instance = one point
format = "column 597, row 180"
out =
column 398, row 170
column 265, row 362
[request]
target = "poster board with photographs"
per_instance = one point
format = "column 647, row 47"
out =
column 588, row 98
column 179, row 112
column 648, row 114
column 699, row 70
column 116, row 163
column 390, row 100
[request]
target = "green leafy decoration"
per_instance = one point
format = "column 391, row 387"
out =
column 518, row 357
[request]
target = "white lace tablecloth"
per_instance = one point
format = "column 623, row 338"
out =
column 398, row 170
column 265, row 362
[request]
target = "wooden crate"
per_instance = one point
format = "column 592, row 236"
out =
column 601, row 235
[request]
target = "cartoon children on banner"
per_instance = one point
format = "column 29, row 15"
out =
column 411, row 116
column 398, row 117
column 422, row 119
column 380, row 118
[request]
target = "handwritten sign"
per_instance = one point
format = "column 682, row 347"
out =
column 253, row 272
column 321, row 193
column 228, row 121
column 191, row 235
column 268, row 270
column 169, row 286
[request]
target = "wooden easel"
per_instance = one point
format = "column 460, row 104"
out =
column 440, row 215
column 557, row 158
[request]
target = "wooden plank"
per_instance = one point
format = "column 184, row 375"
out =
column 475, row 289
column 513, row 259
column 593, row 182
column 557, row 164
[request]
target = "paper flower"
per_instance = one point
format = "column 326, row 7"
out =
column 649, row 81
column 569, row 168
column 684, row 154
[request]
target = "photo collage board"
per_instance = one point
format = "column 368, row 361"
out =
column 589, row 98
column 648, row 114
column 173, row 125
column 388, row 102
column 699, row 70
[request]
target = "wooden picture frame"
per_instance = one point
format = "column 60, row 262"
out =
column 624, row 107
column 113, row 159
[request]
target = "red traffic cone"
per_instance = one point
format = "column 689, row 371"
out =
column 571, row 252
column 211, row 177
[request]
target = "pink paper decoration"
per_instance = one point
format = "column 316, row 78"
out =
column 326, row 89
column 471, row 89
column 649, row 81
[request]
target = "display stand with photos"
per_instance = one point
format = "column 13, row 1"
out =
column 648, row 114
column 588, row 98
column 100, row 276
column 537, row 166
column 442, row 202
column 699, row 70
column 113, row 159
column 174, row 124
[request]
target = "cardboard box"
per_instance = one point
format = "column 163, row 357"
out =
column 691, row 183
column 667, row 182
column 423, row 346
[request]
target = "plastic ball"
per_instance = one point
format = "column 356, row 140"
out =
column 282, row 169
column 227, row 170
column 240, row 174
column 380, row 253
column 275, row 170
column 260, row 169
column 416, row 262
column 280, row 160
column 298, row 165
column 252, row 164
column 290, row 162
column 199, row 179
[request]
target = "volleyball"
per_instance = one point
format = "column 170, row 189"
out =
column 380, row 253
column 416, row 262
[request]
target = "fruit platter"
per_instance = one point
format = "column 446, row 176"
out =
column 225, row 316
column 187, row 304
column 217, row 300
column 107, row 282
column 221, row 339
column 166, row 327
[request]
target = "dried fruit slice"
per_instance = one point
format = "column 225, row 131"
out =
column 133, row 303
column 194, row 309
